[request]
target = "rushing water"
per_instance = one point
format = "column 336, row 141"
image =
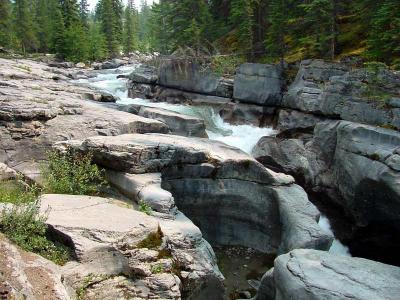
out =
column 244, row 137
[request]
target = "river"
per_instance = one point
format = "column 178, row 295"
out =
column 244, row 137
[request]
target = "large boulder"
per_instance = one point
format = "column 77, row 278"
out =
column 123, row 253
column 258, row 84
column 333, row 90
column 317, row 275
column 26, row 275
column 229, row 195
column 179, row 124
column 357, row 166
column 144, row 74
column 189, row 76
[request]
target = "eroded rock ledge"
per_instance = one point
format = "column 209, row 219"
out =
column 229, row 195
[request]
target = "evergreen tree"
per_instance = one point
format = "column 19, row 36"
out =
column 384, row 37
column 97, row 43
column 84, row 12
column 24, row 26
column 70, row 11
column 76, row 47
column 44, row 24
column 130, row 28
column 5, row 23
column 57, row 28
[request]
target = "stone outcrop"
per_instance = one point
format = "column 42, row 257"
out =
column 36, row 111
column 7, row 173
column 355, row 165
column 26, row 275
column 179, row 124
column 258, row 84
column 333, row 90
column 311, row 274
column 229, row 195
column 123, row 253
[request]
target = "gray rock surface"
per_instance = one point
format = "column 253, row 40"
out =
column 144, row 74
column 258, row 84
column 333, row 90
column 116, row 259
column 7, row 173
column 188, row 76
column 179, row 124
column 36, row 111
column 311, row 274
column 26, row 275
column 230, row 196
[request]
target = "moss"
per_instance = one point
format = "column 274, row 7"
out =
column 152, row 241
column 164, row 253
column 157, row 269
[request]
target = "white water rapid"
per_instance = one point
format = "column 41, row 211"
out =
column 244, row 137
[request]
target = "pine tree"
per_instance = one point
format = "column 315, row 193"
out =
column 5, row 23
column 84, row 12
column 24, row 26
column 97, row 43
column 76, row 47
column 130, row 28
column 58, row 28
column 70, row 11
column 384, row 37
column 109, row 14
column 44, row 24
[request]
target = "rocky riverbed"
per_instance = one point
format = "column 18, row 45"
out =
column 222, row 163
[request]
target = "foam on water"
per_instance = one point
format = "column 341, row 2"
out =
column 337, row 247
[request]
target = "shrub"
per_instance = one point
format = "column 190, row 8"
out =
column 72, row 173
column 16, row 192
column 24, row 225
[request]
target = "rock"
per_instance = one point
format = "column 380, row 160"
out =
column 231, row 189
column 352, row 164
column 144, row 187
column 258, row 84
column 111, row 64
column 242, row 113
column 292, row 119
column 80, row 65
column 64, row 65
column 107, row 97
column 26, row 275
column 107, row 235
column 189, row 77
column 179, row 124
column 144, row 74
column 311, row 274
column 7, row 173
column 35, row 112
column 333, row 90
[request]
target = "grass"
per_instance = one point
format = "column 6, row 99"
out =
column 17, row 192
column 72, row 173
column 152, row 241
column 24, row 225
column 145, row 208
column 157, row 269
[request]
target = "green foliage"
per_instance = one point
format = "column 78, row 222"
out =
column 17, row 192
column 76, row 47
column 157, row 269
column 145, row 208
column 97, row 43
column 226, row 65
column 72, row 173
column 130, row 28
column 25, row 225
column 5, row 23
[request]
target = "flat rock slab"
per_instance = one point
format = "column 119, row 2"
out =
column 311, row 274
column 91, row 222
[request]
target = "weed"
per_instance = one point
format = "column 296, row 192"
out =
column 152, row 241
column 25, row 225
column 72, row 173
column 16, row 192
column 145, row 208
column 157, row 269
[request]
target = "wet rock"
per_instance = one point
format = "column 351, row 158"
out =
column 311, row 274
column 292, row 119
column 111, row 64
column 241, row 113
column 64, row 65
column 258, row 84
column 144, row 74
